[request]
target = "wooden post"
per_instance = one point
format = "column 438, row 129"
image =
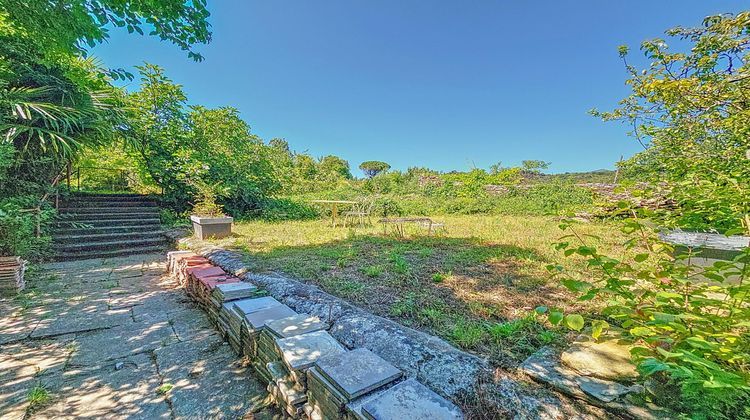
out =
column 38, row 221
column 617, row 172
column 334, row 213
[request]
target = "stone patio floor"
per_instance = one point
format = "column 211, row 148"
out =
column 117, row 338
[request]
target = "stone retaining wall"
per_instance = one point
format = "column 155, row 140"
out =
column 449, row 372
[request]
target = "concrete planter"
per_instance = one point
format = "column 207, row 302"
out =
column 212, row 227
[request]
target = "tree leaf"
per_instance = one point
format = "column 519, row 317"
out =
column 642, row 331
column 574, row 322
column 700, row 343
column 650, row 366
column 555, row 317
column 597, row 327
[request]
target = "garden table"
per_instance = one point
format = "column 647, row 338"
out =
column 334, row 207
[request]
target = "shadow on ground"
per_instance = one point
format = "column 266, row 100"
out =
column 104, row 338
column 478, row 295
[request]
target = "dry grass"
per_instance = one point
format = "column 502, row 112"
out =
column 475, row 284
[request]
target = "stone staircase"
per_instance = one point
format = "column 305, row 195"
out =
column 107, row 225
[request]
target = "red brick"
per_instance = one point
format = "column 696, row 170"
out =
column 201, row 272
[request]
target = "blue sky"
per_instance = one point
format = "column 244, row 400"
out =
column 443, row 84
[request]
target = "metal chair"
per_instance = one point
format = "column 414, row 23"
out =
column 359, row 213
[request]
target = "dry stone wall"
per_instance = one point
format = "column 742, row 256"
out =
column 444, row 370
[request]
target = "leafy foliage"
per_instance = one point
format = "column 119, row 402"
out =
column 689, row 110
column 205, row 200
column 178, row 147
column 18, row 227
column 690, row 324
column 69, row 27
column 55, row 104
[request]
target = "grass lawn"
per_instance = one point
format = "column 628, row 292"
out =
column 474, row 284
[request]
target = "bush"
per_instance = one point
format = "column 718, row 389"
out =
column 385, row 207
column 171, row 218
column 18, row 228
column 690, row 325
column 275, row 209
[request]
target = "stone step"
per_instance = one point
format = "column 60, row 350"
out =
column 85, row 236
column 146, row 223
column 96, row 230
column 83, row 255
column 114, row 202
column 95, row 196
column 125, row 243
column 107, row 216
column 109, row 245
column 113, row 209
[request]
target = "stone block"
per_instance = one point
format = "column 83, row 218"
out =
column 234, row 291
column 246, row 306
column 323, row 396
column 257, row 320
column 211, row 282
column 295, row 325
column 606, row 360
column 357, row 372
column 302, row 351
column 410, row 399
column 204, row 272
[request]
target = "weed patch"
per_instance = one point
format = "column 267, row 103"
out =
column 37, row 397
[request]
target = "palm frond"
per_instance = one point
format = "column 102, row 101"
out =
column 36, row 118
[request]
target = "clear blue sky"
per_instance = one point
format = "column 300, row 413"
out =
column 443, row 84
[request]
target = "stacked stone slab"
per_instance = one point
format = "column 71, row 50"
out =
column 202, row 280
column 11, row 275
column 309, row 373
column 225, row 293
column 178, row 263
column 339, row 379
column 290, row 399
column 268, row 348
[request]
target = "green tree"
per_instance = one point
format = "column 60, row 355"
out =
column 305, row 166
column 232, row 158
column 180, row 148
column 690, row 325
column 68, row 27
column 373, row 167
column 689, row 110
column 534, row 166
column 157, row 132
column 333, row 167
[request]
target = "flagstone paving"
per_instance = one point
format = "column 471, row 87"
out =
column 117, row 338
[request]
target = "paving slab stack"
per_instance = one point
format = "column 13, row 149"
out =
column 11, row 275
column 310, row 374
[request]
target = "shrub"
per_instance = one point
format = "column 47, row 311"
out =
column 688, row 324
column 18, row 228
column 205, row 200
column 385, row 207
column 275, row 209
